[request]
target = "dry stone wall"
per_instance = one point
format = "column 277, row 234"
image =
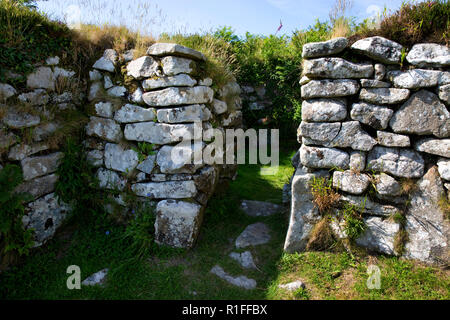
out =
column 375, row 120
column 169, row 102
column 139, row 110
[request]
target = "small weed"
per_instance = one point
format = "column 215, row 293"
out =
column 324, row 195
column 354, row 224
column 301, row 294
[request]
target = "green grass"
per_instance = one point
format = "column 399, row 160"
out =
column 165, row 273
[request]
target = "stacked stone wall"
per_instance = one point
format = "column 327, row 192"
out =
column 375, row 119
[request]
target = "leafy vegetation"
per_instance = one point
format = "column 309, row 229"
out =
column 13, row 237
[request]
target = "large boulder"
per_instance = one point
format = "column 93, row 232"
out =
column 426, row 224
column 429, row 55
column 380, row 49
column 336, row 68
column 45, row 216
column 401, row 163
column 177, row 223
column 329, row 88
column 379, row 235
column 422, row 114
column 304, row 214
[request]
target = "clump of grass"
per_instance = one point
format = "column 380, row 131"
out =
column 321, row 237
column 400, row 240
column 338, row 17
column 221, row 60
column 354, row 224
column 444, row 204
column 426, row 21
column 324, row 195
column 408, row 186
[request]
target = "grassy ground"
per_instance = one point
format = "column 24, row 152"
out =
column 177, row 274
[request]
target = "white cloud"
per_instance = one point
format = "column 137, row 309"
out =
column 373, row 10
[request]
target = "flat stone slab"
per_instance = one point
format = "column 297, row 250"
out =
column 336, row 68
column 98, row 278
column 259, row 208
column 325, row 48
column 255, row 234
column 241, row 281
column 163, row 49
column 245, row 259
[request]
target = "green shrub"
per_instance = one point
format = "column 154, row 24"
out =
column 13, row 237
column 76, row 183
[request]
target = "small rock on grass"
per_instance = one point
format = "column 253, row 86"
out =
column 259, row 208
column 241, row 281
column 254, row 234
column 292, row 286
column 245, row 259
column 98, row 278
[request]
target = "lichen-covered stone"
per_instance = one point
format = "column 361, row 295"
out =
column 336, row 68
column 106, row 129
column 357, row 161
column 439, row 147
column 379, row 235
column 130, row 113
column 7, row 139
column 422, row 114
column 366, row 206
column 104, row 109
column 329, row 88
column 35, row 97
column 148, row 164
column 245, row 259
column 174, row 65
column 325, row 48
column 304, row 214
column 429, row 55
column 109, row 179
column 117, row 91
column 107, row 62
column 15, row 119
column 165, row 190
column 444, row 168
column 95, row 91
column 219, row 106
column 402, row 163
column 324, row 110
column 418, row 78
column 45, row 130
column 384, row 95
column 41, row 78
column 120, row 159
column 180, row 80
column 95, row 75
column 315, row 157
column 45, row 216
column 184, row 114
column 159, row 133
column 233, row 119
column 388, row 139
column 428, row 229
column 344, row 135
column 143, row 67
column 380, row 49
column 180, row 159
column 21, row 151
column 39, row 186
column 370, row 83
column 380, row 71
column 95, row 158
column 178, row 96
column 107, row 82
column 387, row 185
column 163, row 49
column 39, row 166
column 6, row 91
column 375, row 116
column 351, row 182
column 444, row 93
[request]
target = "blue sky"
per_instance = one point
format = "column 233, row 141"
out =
column 255, row 16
